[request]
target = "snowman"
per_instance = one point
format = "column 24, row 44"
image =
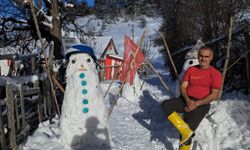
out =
column 84, row 116
column 191, row 59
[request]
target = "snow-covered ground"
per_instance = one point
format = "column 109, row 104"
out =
column 138, row 123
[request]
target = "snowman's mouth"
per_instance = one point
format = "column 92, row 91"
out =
column 82, row 69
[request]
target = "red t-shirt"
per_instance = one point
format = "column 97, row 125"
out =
column 201, row 81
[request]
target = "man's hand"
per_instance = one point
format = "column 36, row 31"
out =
column 190, row 105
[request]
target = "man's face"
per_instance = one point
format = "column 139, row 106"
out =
column 205, row 56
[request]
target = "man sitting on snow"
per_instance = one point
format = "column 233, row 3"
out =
column 201, row 85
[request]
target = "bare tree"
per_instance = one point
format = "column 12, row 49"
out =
column 18, row 28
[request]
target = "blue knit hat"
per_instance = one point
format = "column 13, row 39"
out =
column 80, row 48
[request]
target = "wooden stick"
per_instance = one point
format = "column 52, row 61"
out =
column 238, row 59
column 170, row 57
column 113, row 80
column 144, row 80
column 55, row 81
column 147, row 73
column 227, row 54
column 32, row 7
column 54, row 96
column 158, row 75
column 58, row 84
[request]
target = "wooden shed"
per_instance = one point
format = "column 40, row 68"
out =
column 5, row 63
column 111, row 62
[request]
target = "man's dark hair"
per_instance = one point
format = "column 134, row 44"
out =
column 206, row 47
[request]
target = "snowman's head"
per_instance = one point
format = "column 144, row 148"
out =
column 80, row 62
column 189, row 63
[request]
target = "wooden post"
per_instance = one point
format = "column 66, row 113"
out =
column 22, row 106
column 170, row 57
column 229, row 42
column 247, row 41
column 44, row 97
column 16, row 113
column 33, row 65
column 40, row 105
column 38, row 112
column 11, row 117
column 2, row 135
column 49, row 101
column 101, row 74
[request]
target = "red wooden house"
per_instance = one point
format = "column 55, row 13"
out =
column 5, row 63
column 111, row 62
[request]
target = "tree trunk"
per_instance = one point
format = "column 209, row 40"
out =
column 55, row 31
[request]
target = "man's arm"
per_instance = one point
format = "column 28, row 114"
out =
column 190, row 104
column 183, row 89
column 212, row 96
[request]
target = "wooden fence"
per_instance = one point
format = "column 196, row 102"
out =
column 25, row 102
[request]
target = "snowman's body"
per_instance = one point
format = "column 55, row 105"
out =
column 83, row 119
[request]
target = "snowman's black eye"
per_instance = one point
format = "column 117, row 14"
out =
column 88, row 60
column 190, row 62
column 73, row 61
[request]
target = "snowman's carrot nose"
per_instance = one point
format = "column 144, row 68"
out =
column 82, row 68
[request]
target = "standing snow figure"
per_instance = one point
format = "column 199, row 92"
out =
column 84, row 119
column 191, row 59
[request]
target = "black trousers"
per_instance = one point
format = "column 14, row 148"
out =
column 192, row 118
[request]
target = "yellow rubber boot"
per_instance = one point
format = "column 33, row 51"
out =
column 185, row 147
column 181, row 126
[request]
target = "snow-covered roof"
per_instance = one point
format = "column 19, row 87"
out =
column 100, row 45
column 115, row 56
column 7, row 50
